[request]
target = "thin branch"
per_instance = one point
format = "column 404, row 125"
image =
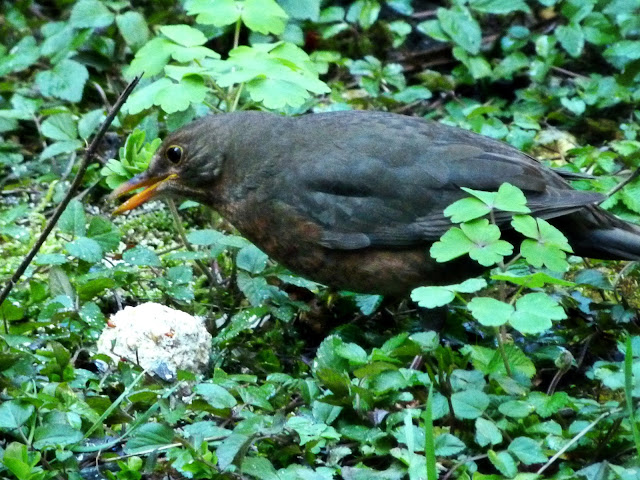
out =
column 77, row 181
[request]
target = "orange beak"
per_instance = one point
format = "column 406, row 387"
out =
column 142, row 180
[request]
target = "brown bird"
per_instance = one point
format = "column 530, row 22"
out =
column 354, row 200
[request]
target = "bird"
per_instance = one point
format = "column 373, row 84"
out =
column 354, row 199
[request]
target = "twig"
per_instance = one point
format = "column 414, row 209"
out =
column 77, row 181
column 624, row 183
column 581, row 434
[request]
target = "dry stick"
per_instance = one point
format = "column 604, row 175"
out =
column 82, row 168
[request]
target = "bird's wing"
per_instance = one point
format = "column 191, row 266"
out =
column 369, row 198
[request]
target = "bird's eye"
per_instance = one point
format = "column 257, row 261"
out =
column 174, row 154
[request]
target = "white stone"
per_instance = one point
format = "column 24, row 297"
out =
column 152, row 334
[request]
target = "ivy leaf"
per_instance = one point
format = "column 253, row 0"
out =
column 463, row 29
column 534, row 313
column 490, row 312
column 65, row 81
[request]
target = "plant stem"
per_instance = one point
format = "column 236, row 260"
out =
column 628, row 389
column 183, row 237
column 502, row 351
column 77, row 181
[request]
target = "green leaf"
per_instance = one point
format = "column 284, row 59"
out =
column 133, row 28
column 571, row 38
column 549, row 245
column 490, row 312
column 463, row 29
column 55, row 435
column 151, row 59
column 302, row 9
column 141, row 257
column 73, row 219
column 264, row 16
column 487, row 432
column 251, row 259
column 622, row 53
column 534, row 313
column 60, row 127
column 527, row 450
column 533, row 280
column 149, row 436
column 14, row 414
column 85, row 249
column 23, row 54
column 432, row 297
column 184, row 35
column 469, row 404
column 90, row 14
column 487, row 248
column 466, row 209
column 215, row 395
column 214, row 12
column 260, row 468
column 176, row 97
column 453, row 244
column 504, row 463
column 499, row 6
column 65, row 81
column 89, row 122
column 516, row 408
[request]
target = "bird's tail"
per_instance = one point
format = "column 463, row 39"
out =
column 619, row 242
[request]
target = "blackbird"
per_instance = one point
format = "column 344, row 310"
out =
column 354, row 200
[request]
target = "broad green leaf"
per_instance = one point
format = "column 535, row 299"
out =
column 65, row 81
column 527, row 450
column 463, row 29
column 176, row 97
column 487, row 248
column 215, row 395
column 61, row 126
column 21, row 56
column 490, row 312
column 534, row 313
column 251, row 259
column 133, row 28
column 516, row 408
column 453, row 244
column 466, row 209
column 90, row 14
column 264, row 16
column 89, row 122
column 151, row 59
column 469, row 404
column 73, row 220
column 432, row 297
column 141, row 257
column 184, row 35
column 499, row 6
column 487, row 433
column 622, row 53
column 571, row 38
column 149, row 436
column 214, row 12
column 55, row 435
column 504, row 463
column 14, row 414
column 85, row 249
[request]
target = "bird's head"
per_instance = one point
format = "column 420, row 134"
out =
column 187, row 164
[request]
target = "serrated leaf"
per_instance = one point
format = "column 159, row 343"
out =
column 85, row 249
column 73, row 219
column 527, row 450
column 469, row 404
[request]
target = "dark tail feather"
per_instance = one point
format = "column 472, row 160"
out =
column 617, row 243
